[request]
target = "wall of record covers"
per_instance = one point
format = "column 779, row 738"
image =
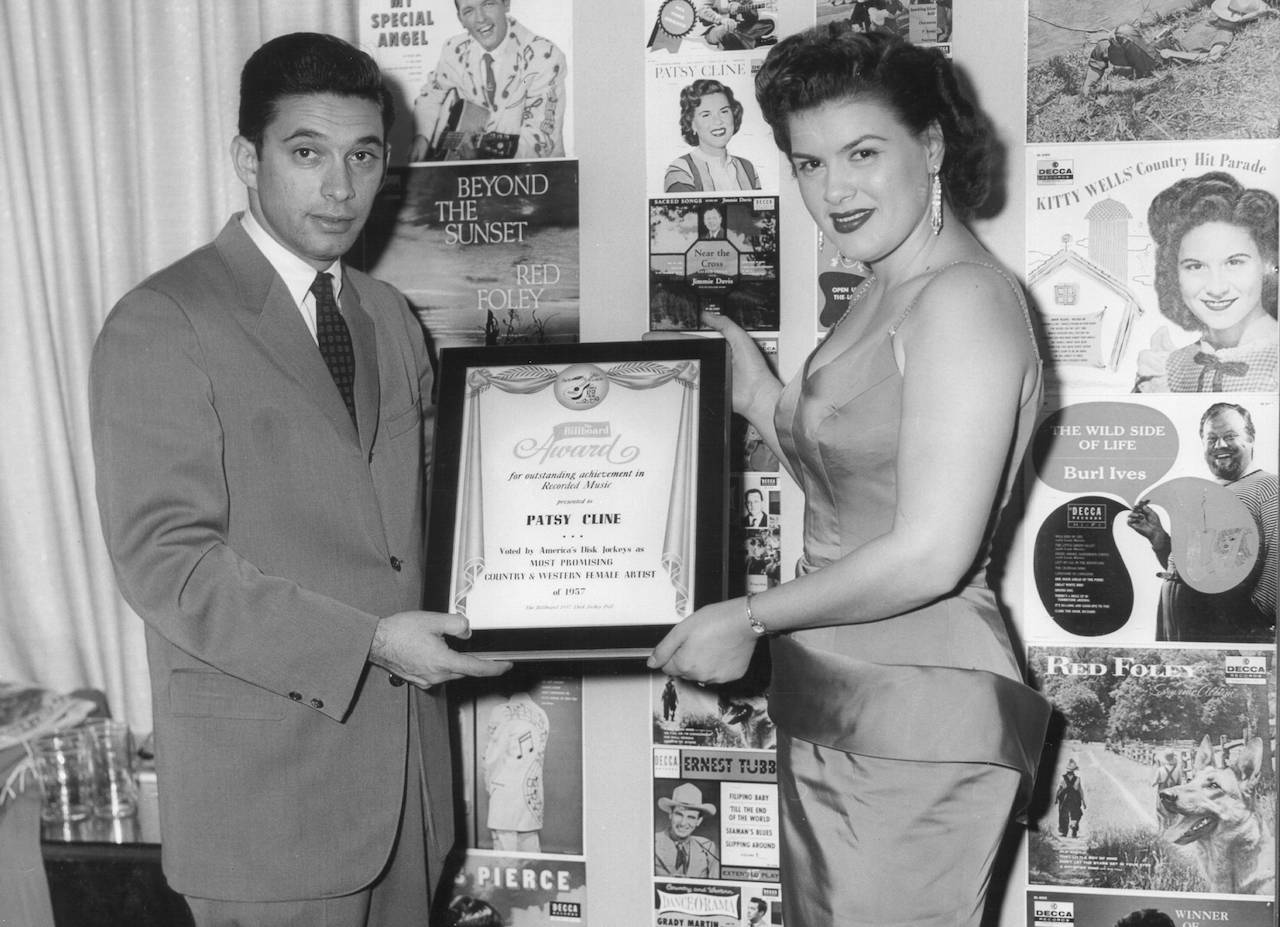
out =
column 1141, row 172
column 1150, row 569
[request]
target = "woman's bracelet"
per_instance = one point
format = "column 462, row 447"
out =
column 756, row 624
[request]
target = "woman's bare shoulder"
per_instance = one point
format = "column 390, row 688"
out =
column 974, row 304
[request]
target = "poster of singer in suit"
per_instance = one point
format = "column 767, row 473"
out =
column 713, row 254
column 475, row 80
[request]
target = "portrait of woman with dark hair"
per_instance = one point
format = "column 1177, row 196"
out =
column 906, row 734
column 710, row 116
column 1216, row 277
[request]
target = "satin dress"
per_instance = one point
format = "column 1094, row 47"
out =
column 902, row 743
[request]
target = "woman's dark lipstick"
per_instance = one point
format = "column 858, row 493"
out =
column 847, row 222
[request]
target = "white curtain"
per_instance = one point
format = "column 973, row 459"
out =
column 115, row 122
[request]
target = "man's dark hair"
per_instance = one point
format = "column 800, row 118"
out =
column 302, row 64
column 1219, row 407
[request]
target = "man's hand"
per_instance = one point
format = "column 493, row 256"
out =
column 412, row 646
column 1146, row 522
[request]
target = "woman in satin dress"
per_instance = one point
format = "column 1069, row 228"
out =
column 906, row 736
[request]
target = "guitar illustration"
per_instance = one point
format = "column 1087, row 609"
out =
column 728, row 24
column 740, row 26
column 459, row 133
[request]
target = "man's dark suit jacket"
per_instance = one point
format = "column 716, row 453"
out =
column 261, row 538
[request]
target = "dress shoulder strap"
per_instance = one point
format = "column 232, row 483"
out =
column 1004, row 274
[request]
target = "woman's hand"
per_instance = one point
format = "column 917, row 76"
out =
column 753, row 381
column 755, row 387
column 714, row 644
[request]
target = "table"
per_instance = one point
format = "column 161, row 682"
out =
column 106, row 873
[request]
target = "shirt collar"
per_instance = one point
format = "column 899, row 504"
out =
column 722, row 161
column 296, row 273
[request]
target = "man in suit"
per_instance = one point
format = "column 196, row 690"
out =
column 712, row 224
column 263, row 505
column 677, row 850
column 756, row 516
column 512, row 78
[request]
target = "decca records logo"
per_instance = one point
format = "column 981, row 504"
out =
column 1055, row 171
column 564, row 910
column 1045, row 913
column 1248, row 671
column 1086, row 515
column 666, row 763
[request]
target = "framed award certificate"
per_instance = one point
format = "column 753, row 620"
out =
column 580, row 494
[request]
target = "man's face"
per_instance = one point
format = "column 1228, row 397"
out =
column 485, row 20
column 712, row 220
column 757, row 912
column 313, row 184
column 1228, row 449
column 755, row 503
column 684, row 821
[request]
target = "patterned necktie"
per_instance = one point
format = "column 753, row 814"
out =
column 490, row 83
column 682, row 859
column 335, row 341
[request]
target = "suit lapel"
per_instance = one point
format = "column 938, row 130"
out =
column 364, row 343
column 271, row 314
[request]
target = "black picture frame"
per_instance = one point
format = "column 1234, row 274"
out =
column 563, row 632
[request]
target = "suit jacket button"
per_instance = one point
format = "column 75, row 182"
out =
column 296, row 696
column 316, row 703
column 396, row 563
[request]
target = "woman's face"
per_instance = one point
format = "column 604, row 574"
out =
column 863, row 175
column 713, row 121
column 1220, row 277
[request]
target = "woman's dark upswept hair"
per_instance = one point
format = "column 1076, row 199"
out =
column 301, row 64
column 830, row 63
column 1193, row 201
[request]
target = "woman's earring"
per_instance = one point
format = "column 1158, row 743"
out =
column 935, row 203
column 822, row 241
